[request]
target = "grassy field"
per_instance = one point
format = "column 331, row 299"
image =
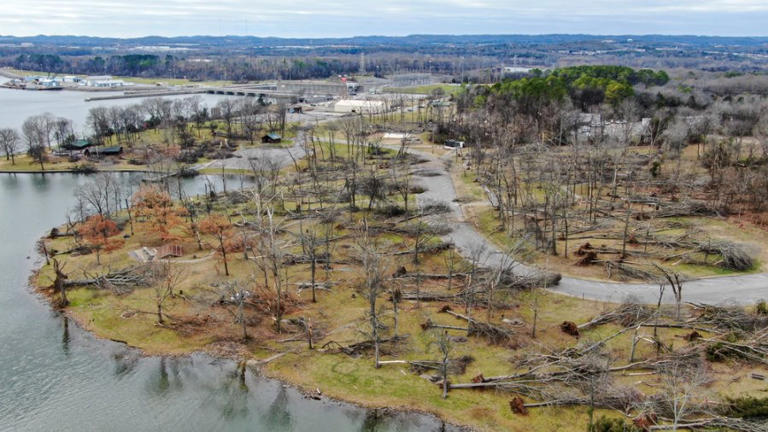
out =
column 340, row 315
column 25, row 164
column 448, row 89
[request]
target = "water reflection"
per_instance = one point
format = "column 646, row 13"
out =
column 10, row 181
column 41, row 181
column 372, row 419
column 65, row 338
column 126, row 361
column 278, row 418
column 165, row 379
column 235, row 395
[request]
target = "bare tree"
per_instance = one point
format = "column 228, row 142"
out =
column 237, row 295
column 59, row 283
column 682, row 382
column 35, row 136
column 272, row 258
column 311, row 243
column 252, row 120
column 98, row 121
column 451, row 259
column 373, row 284
column 676, row 284
column 62, row 131
column 228, row 108
column 9, row 143
column 221, row 228
column 38, row 154
column 97, row 193
column 401, row 175
column 477, row 254
column 167, row 279
column 628, row 111
column 442, row 341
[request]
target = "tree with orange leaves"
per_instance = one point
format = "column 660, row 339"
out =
column 158, row 211
column 99, row 232
column 219, row 227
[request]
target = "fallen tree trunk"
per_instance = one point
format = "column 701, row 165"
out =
column 427, row 249
column 318, row 285
column 493, row 333
column 119, row 281
column 628, row 314
column 439, row 297
column 430, row 275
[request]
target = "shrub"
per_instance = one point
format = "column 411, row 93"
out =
column 417, row 189
column 604, row 424
column 436, row 207
column 84, row 168
column 762, row 308
column 715, row 353
column 747, row 407
column 189, row 157
column 390, row 211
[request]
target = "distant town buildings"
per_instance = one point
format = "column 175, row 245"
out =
column 359, row 106
column 55, row 82
column 102, row 81
column 516, row 69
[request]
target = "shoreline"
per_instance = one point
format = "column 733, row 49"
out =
column 257, row 366
column 73, row 171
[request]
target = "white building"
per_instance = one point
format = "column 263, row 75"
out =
column 49, row 82
column 102, row 81
column 359, row 106
column 516, row 69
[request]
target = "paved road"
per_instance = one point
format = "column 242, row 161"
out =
column 740, row 290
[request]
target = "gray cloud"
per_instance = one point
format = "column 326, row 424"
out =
column 306, row 18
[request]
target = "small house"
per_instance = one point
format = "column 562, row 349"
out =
column 78, row 144
column 271, row 138
column 104, row 151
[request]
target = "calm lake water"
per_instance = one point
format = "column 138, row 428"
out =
column 56, row 377
column 17, row 105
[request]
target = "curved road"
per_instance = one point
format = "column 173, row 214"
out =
column 739, row 290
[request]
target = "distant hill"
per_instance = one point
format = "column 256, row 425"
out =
column 373, row 41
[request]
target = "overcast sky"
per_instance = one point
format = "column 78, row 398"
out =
column 314, row 18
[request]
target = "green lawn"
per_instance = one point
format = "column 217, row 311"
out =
column 448, row 89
